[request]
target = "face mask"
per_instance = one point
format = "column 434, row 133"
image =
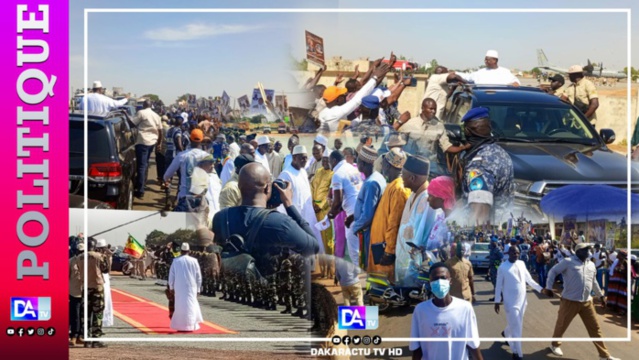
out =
column 440, row 288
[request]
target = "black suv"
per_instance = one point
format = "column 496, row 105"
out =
column 551, row 143
column 111, row 158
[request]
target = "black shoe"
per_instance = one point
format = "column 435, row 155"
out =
column 299, row 312
column 505, row 342
column 97, row 344
column 491, row 299
column 517, row 357
column 288, row 310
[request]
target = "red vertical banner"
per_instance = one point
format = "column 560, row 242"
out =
column 34, row 89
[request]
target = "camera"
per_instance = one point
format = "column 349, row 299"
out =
column 276, row 199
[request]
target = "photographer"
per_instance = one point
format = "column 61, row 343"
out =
column 278, row 230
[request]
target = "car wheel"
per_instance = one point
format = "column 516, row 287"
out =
column 127, row 268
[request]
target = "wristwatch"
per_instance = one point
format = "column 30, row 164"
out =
column 375, row 77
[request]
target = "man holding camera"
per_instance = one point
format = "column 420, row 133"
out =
column 278, row 230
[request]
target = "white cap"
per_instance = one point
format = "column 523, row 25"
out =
column 97, row 84
column 492, row 54
column 381, row 94
column 327, row 153
column 321, row 139
column 299, row 149
column 185, row 247
column 263, row 140
column 575, row 69
column 100, row 243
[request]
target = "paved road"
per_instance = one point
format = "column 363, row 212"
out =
column 247, row 321
column 539, row 321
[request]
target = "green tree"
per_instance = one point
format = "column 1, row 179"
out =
column 535, row 71
column 156, row 237
column 300, row 65
column 401, row 57
column 634, row 73
column 182, row 236
column 257, row 119
column 433, row 65
column 182, row 98
column 153, row 97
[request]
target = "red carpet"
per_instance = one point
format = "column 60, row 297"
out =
column 152, row 318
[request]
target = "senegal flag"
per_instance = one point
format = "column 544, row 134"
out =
column 133, row 247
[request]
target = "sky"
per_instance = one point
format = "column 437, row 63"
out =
column 462, row 39
column 101, row 220
column 205, row 53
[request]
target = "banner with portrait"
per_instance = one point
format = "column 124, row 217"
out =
column 315, row 49
column 257, row 101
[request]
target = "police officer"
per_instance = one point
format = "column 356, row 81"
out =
column 488, row 180
column 581, row 93
column 494, row 260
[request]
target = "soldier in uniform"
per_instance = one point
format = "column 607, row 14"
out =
column 285, row 282
column 425, row 132
column 210, row 272
column 97, row 264
column 488, row 175
column 581, row 93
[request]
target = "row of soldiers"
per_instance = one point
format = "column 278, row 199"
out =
column 284, row 286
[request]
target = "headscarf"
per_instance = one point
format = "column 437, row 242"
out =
column 443, row 187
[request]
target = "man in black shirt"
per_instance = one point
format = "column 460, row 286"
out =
column 278, row 230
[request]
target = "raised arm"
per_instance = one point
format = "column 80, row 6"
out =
column 312, row 82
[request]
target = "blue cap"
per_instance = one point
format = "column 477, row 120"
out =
column 494, row 238
column 475, row 114
column 370, row 102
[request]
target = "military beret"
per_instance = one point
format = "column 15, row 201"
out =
column 475, row 114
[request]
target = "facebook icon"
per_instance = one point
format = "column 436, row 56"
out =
column 30, row 308
column 357, row 317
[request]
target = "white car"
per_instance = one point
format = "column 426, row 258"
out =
column 479, row 253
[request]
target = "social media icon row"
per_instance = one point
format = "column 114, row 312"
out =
column 356, row 340
column 30, row 331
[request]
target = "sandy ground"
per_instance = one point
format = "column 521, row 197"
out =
column 158, row 351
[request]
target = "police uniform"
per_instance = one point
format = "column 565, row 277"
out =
column 494, row 260
column 488, row 175
column 583, row 90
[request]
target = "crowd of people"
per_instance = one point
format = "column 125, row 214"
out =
column 340, row 206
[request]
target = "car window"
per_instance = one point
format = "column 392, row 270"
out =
column 98, row 139
column 539, row 123
column 480, row 247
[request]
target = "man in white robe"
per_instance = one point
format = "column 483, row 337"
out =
column 302, row 195
column 185, row 279
column 418, row 218
column 512, row 277
column 262, row 149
